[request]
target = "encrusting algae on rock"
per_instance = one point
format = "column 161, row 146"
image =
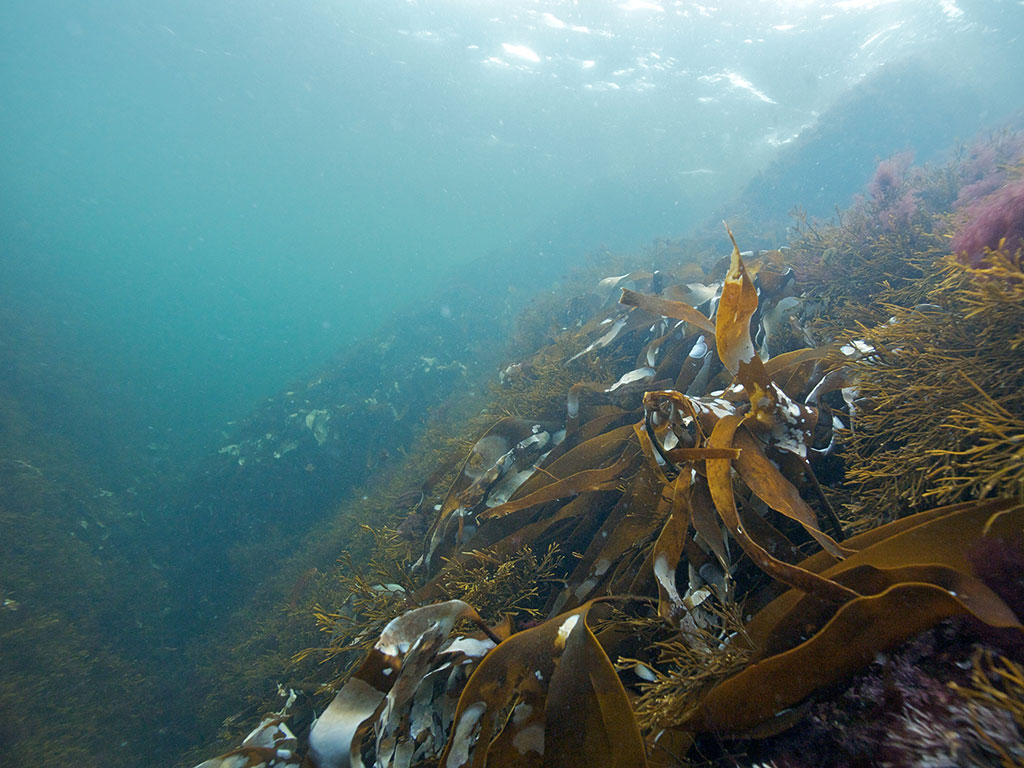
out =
column 735, row 521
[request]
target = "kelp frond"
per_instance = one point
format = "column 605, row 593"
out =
column 678, row 491
column 692, row 663
column 515, row 584
column 943, row 394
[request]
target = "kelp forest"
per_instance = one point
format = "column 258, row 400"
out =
column 754, row 497
column 732, row 507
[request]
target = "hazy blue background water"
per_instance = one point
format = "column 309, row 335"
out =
column 203, row 200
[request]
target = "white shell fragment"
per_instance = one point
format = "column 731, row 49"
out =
column 644, row 672
column 857, row 349
column 700, row 348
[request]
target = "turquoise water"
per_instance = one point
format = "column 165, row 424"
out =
column 203, row 203
column 218, row 195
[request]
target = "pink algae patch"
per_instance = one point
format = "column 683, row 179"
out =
column 991, row 220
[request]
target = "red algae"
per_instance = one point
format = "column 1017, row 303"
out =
column 890, row 177
column 984, row 169
column 991, row 221
column 892, row 196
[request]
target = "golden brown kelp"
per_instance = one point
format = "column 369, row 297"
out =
column 392, row 698
column 682, row 496
column 907, row 579
column 547, row 696
column 621, row 498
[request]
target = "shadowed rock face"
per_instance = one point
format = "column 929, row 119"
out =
column 284, row 468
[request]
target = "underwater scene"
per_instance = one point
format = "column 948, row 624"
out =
column 443, row 383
